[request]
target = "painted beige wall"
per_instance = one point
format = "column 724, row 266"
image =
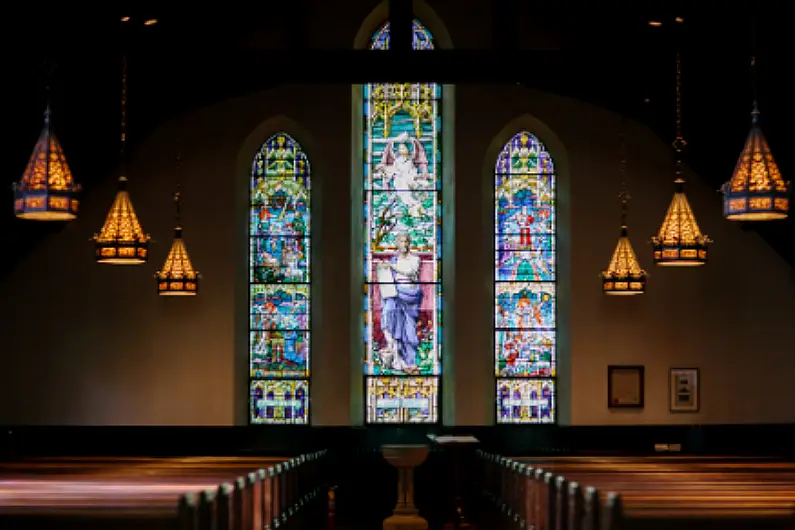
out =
column 98, row 347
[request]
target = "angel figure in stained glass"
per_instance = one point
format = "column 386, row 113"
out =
column 406, row 170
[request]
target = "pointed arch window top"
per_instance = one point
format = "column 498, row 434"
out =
column 525, row 154
column 422, row 40
column 281, row 156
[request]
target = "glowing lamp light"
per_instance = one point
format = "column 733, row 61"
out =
column 655, row 23
column 177, row 277
column 122, row 241
column 624, row 276
column 756, row 191
column 680, row 242
column 150, row 22
column 47, row 191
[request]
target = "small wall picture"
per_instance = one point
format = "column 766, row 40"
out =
column 683, row 390
column 625, row 387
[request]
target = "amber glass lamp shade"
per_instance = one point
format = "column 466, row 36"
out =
column 756, row 191
column 47, row 191
column 177, row 277
column 122, row 241
column 624, row 276
column 680, row 242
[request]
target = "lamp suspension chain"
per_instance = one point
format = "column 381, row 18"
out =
column 679, row 140
column 123, row 125
column 754, row 82
column 623, row 195
column 49, row 72
column 177, row 194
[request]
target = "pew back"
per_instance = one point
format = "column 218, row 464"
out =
column 641, row 494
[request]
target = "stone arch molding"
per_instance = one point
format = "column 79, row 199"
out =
column 266, row 129
column 245, row 156
column 556, row 148
column 422, row 11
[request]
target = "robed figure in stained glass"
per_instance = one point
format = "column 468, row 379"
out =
column 400, row 306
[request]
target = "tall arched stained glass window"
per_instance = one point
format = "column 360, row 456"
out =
column 279, row 288
column 402, row 245
column 524, row 289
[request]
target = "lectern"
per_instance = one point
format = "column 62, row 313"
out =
column 457, row 447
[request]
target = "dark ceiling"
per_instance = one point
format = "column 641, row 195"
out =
column 608, row 55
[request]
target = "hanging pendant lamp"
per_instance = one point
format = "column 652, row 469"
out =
column 680, row 242
column 624, row 275
column 177, row 277
column 47, row 191
column 756, row 191
column 122, row 240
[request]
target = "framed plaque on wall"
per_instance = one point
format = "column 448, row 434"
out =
column 625, row 387
column 683, row 390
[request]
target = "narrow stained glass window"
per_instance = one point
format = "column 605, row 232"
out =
column 402, row 245
column 524, row 289
column 279, row 283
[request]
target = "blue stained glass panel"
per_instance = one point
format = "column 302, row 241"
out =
column 280, row 206
column 418, row 358
column 423, row 40
column 279, row 259
column 279, row 402
column 522, row 353
column 279, row 276
column 279, row 353
column 525, row 270
column 525, row 401
column 525, row 305
column 279, row 307
column 523, row 266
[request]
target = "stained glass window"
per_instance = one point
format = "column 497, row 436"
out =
column 524, row 275
column 402, row 250
column 279, row 289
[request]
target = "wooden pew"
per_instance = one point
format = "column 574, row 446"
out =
column 277, row 497
column 641, row 494
column 167, row 494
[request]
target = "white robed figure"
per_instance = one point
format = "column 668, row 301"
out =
column 400, row 306
column 405, row 171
